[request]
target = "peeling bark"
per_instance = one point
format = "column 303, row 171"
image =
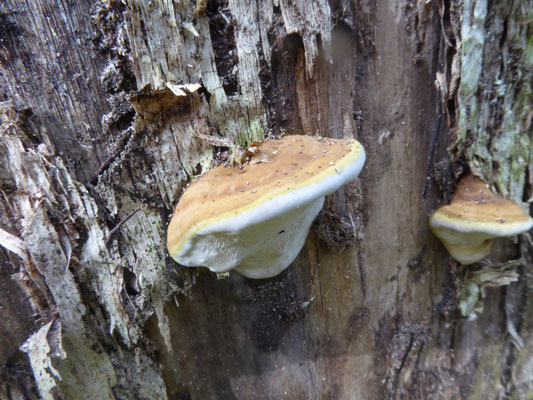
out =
column 110, row 109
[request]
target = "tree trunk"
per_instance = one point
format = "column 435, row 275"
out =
column 110, row 109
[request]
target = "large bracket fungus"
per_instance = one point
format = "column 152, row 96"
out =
column 255, row 219
column 475, row 216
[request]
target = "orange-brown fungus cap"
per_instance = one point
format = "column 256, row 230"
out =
column 474, row 217
column 282, row 175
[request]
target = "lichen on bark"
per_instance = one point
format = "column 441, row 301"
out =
column 495, row 94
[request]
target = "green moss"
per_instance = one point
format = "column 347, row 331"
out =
column 469, row 298
column 487, row 377
column 237, row 120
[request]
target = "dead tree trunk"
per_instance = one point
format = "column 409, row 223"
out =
column 110, row 108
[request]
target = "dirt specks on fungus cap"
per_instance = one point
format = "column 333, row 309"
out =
column 475, row 216
column 227, row 202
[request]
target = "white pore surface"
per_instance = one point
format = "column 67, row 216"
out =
column 469, row 244
column 251, row 242
column 260, row 250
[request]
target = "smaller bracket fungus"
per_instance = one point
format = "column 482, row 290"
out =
column 475, row 216
column 255, row 219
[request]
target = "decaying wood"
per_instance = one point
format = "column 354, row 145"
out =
column 109, row 109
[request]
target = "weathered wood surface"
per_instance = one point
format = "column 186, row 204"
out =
column 112, row 108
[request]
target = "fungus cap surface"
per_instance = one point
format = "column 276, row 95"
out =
column 474, row 217
column 255, row 219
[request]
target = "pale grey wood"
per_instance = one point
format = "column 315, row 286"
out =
column 112, row 107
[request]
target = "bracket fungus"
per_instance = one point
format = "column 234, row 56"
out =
column 255, row 219
column 475, row 216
